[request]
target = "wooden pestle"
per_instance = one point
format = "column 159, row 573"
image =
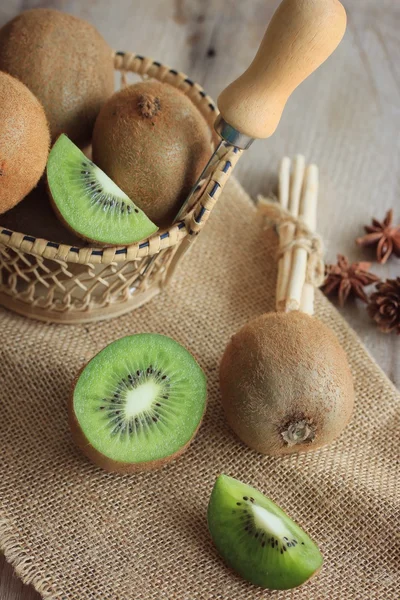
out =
column 302, row 34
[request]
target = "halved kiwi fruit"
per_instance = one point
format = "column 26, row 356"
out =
column 257, row 539
column 138, row 403
column 89, row 202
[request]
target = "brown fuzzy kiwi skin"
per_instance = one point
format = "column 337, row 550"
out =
column 153, row 142
column 107, row 464
column 65, row 62
column 282, row 370
column 24, row 141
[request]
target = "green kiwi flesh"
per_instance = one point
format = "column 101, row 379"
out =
column 138, row 403
column 89, row 202
column 257, row 539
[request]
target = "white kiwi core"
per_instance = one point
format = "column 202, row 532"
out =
column 141, row 398
column 109, row 187
column 263, row 519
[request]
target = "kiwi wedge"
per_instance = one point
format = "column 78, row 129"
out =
column 138, row 403
column 257, row 539
column 89, row 202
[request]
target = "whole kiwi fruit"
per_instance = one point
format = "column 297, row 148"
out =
column 286, row 385
column 153, row 142
column 24, row 141
column 65, row 62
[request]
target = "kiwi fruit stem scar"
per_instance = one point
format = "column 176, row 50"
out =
column 257, row 539
column 138, row 403
column 89, row 202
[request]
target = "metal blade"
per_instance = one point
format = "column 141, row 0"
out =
column 213, row 159
column 201, row 176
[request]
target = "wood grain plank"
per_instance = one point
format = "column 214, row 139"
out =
column 345, row 118
column 12, row 588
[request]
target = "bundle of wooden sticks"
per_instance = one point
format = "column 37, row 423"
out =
column 300, row 267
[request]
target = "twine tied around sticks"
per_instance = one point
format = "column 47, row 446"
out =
column 310, row 241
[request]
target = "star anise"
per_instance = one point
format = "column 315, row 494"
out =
column 384, row 235
column 345, row 279
column 384, row 305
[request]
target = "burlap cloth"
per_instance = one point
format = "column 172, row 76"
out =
column 78, row 533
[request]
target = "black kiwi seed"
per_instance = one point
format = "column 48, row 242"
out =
column 239, row 503
column 245, row 498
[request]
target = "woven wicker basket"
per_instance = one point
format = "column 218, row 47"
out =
column 55, row 282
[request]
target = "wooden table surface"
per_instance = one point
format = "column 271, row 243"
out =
column 345, row 117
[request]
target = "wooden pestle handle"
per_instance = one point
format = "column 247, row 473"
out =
column 300, row 37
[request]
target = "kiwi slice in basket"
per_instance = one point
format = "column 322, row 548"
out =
column 138, row 403
column 89, row 202
column 257, row 539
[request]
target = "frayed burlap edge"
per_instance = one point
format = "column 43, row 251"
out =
column 22, row 561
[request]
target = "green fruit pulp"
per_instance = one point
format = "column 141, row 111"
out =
column 140, row 399
column 257, row 539
column 89, row 202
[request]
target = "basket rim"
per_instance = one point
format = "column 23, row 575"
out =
column 148, row 68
